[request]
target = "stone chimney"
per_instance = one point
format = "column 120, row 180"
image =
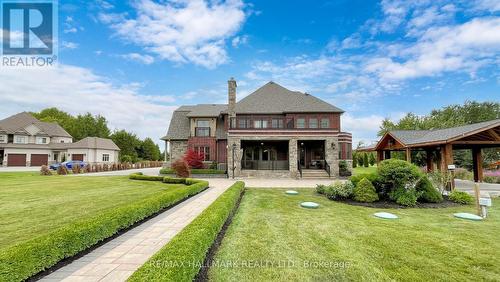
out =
column 231, row 103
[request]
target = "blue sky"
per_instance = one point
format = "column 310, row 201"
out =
column 136, row 61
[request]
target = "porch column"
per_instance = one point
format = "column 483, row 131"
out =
column 446, row 157
column 430, row 163
column 380, row 156
column 236, row 152
column 477, row 162
column 293, row 157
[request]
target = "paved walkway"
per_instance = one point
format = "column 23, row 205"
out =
column 117, row 259
column 145, row 171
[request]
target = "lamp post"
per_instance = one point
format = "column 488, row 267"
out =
column 234, row 148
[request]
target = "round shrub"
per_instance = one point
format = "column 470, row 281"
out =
column 44, row 170
column 339, row 190
column 62, row 170
column 320, row 188
column 181, row 168
column 365, row 192
column 429, row 193
column 405, row 197
column 461, row 197
column 394, row 174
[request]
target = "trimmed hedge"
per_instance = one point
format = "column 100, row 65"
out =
column 194, row 171
column 26, row 259
column 461, row 197
column 182, row 258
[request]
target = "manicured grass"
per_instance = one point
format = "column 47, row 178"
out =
column 44, row 219
column 343, row 242
column 181, row 258
column 364, row 170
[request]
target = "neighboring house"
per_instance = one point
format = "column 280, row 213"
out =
column 26, row 141
column 271, row 132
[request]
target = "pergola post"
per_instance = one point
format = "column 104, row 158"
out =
column 430, row 163
column 408, row 155
column 380, row 156
column 477, row 162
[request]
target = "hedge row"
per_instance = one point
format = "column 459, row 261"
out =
column 194, row 171
column 165, row 179
column 26, row 259
column 182, row 258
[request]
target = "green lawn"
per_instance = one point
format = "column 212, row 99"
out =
column 364, row 170
column 272, row 238
column 32, row 205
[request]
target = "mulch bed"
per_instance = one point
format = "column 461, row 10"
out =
column 386, row 204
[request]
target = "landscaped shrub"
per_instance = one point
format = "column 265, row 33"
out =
column 172, row 180
column 62, row 170
column 320, row 188
column 373, row 177
column 405, row 196
column 135, row 176
column 461, row 197
column 395, row 174
column 76, row 168
column 366, row 162
column 372, row 159
column 194, row 171
column 44, row 170
column 339, row 190
column 186, row 252
column 429, row 193
column 464, row 174
column 181, row 168
column 344, row 169
column 194, row 159
column 24, row 260
column 365, row 192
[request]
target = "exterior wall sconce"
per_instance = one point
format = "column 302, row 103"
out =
column 333, row 145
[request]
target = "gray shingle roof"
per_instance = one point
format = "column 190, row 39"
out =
column 207, row 110
column 410, row 137
column 273, row 98
column 17, row 123
column 179, row 125
column 94, row 143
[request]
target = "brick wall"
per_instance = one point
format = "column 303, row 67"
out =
column 204, row 142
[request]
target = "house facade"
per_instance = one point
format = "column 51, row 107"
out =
column 26, row 141
column 271, row 132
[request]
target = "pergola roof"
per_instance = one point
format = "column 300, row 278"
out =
column 488, row 132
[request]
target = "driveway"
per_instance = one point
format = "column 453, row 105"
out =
column 19, row 168
column 145, row 171
column 468, row 186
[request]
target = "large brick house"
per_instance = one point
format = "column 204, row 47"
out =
column 271, row 132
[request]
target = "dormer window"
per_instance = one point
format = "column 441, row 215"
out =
column 21, row 139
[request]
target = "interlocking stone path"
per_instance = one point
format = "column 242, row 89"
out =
column 117, row 259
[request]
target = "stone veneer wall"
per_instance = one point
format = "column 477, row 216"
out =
column 177, row 150
column 331, row 155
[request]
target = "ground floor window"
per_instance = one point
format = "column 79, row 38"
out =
column 105, row 157
column 205, row 150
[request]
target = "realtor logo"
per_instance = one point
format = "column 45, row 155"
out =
column 28, row 32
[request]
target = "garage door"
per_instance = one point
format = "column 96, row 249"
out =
column 39, row 159
column 77, row 157
column 16, row 160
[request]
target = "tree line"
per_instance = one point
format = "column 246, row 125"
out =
column 449, row 116
column 132, row 148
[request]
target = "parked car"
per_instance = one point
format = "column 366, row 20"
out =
column 68, row 164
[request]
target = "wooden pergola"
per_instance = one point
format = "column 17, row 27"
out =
column 441, row 142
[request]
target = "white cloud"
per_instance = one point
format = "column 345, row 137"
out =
column 181, row 31
column 69, row 45
column 464, row 48
column 141, row 58
column 79, row 90
column 239, row 40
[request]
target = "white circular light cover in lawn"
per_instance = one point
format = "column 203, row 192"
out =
column 385, row 215
column 309, row 205
column 466, row 215
column 292, row 192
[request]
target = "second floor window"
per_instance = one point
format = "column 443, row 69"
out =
column 3, row 139
column 202, row 128
column 313, row 123
column 277, row 123
column 105, row 157
column 243, row 123
column 301, row 123
column 325, row 123
column 20, row 139
column 260, row 123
